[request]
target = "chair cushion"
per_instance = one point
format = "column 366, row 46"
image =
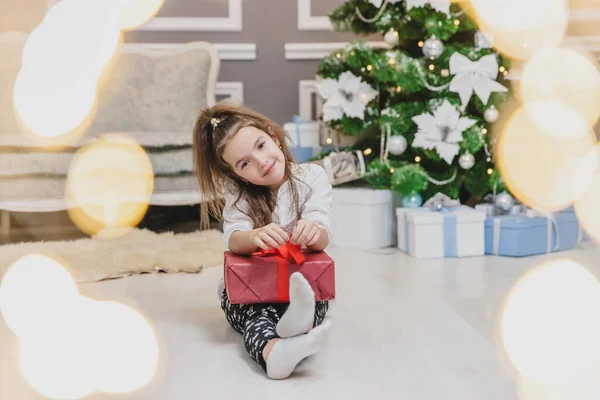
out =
column 157, row 90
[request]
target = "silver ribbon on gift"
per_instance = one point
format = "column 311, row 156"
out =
column 439, row 201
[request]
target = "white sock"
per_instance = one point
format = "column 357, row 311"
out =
column 287, row 353
column 300, row 314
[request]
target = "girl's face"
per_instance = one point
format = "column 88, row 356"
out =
column 255, row 157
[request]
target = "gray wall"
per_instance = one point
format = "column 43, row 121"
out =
column 270, row 81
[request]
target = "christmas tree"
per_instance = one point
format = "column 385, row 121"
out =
column 423, row 103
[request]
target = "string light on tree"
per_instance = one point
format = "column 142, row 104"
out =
column 417, row 159
column 421, row 43
column 490, row 171
column 484, row 131
column 368, row 151
column 391, row 55
column 431, row 67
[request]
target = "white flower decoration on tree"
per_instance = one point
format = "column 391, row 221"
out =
column 348, row 96
column 442, row 131
column 378, row 3
column 439, row 5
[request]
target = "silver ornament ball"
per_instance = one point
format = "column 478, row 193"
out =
column 397, row 145
column 391, row 37
column 491, row 114
column 433, row 47
column 466, row 161
column 504, row 201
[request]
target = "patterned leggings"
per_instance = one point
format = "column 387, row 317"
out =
column 257, row 322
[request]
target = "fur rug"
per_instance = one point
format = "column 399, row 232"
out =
column 95, row 259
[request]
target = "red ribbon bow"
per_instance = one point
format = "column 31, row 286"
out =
column 284, row 254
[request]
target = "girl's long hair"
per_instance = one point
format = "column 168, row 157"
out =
column 214, row 175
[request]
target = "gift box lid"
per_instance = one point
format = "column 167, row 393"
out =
column 362, row 196
column 429, row 216
column 522, row 221
column 309, row 126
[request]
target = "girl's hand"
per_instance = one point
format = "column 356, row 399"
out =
column 306, row 233
column 270, row 236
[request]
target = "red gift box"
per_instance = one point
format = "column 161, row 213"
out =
column 264, row 277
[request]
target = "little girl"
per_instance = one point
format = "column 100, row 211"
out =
column 243, row 157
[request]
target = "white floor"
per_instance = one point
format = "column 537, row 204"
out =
column 403, row 329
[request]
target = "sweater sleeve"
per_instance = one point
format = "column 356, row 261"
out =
column 233, row 217
column 318, row 206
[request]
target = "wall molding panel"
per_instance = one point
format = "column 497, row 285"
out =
column 227, row 51
column 231, row 23
column 233, row 91
column 308, row 22
column 318, row 50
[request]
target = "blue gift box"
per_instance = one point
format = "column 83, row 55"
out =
column 585, row 237
column 305, row 138
column 520, row 235
column 302, row 154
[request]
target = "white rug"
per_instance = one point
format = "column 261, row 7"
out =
column 139, row 251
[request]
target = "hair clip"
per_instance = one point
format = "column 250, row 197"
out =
column 214, row 122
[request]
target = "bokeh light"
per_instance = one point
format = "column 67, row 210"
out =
column 127, row 350
column 70, row 345
column 550, row 323
column 132, row 13
column 34, row 291
column 74, row 43
column 64, row 59
column 58, row 362
column 522, row 27
column 566, row 75
column 49, row 111
column 91, row 346
column 62, row 42
column 540, row 152
column 585, row 386
column 111, row 181
column 512, row 15
column 586, row 205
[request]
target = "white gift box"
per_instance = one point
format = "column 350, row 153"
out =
column 363, row 218
column 304, row 133
column 450, row 232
